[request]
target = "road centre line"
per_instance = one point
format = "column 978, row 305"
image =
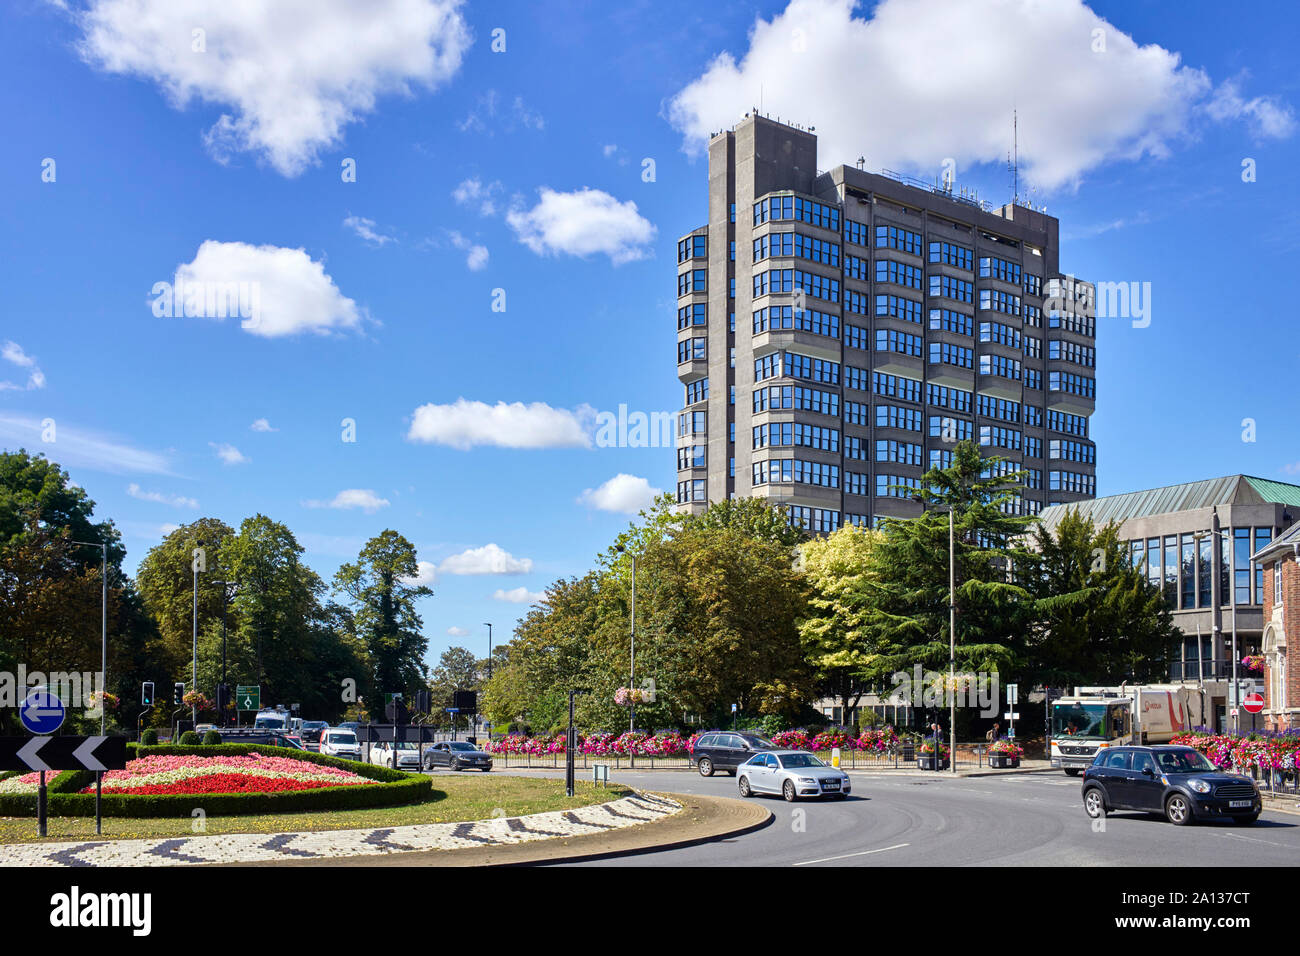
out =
column 897, row 846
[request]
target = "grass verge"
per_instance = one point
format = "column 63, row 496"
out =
column 454, row 799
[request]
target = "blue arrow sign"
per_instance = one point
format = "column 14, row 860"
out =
column 42, row 712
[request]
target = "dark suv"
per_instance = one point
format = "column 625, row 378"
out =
column 1178, row 782
column 725, row 750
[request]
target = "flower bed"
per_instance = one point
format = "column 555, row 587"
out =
column 675, row 745
column 225, row 779
column 1006, row 748
column 1278, row 751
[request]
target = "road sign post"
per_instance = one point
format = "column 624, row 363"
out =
column 43, row 753
column 247, row 697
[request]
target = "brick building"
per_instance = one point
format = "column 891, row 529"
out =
column 1280, row 560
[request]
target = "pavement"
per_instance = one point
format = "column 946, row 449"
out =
column 413, row 842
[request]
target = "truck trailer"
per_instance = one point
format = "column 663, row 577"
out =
column 1093, row 718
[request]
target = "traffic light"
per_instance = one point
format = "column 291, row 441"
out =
column 146, row 693
column 178, row 693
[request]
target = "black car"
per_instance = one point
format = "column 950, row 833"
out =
column 456, row 755
column 726, row 750
column 1178, row 782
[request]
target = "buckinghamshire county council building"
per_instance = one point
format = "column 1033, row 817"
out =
column 838, row 332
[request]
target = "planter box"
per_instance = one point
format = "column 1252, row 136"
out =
column 926, row 762
column 1003, row 761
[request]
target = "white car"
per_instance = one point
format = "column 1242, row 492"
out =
column 792, row 774
column 340, row 743
column 408, row 756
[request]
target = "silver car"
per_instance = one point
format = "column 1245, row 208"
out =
column 793, row 774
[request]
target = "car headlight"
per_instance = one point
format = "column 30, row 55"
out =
column 808, row 781
column 1200, row 786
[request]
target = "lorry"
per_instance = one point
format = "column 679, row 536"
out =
column 273, row 719
column 1093, row 718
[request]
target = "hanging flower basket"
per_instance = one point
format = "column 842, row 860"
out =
column 629, row 696
column 194, row 699
column 1253, row 663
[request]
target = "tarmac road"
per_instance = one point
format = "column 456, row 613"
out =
column 1010, row 820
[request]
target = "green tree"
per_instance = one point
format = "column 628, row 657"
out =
column 844, row 579
column 381, row 592
column 1097, row 619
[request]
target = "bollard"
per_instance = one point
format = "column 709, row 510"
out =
column 835, row 757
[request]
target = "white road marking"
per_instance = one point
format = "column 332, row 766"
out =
column 897, row 846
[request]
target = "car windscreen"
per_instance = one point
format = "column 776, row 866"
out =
column 790, row 761
column 342, row 738
column 1078, row 720
column 1183, row 761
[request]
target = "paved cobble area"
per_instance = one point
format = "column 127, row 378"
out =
column 255, row 847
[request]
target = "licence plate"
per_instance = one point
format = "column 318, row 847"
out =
column 830, row 784
column 1240, row 803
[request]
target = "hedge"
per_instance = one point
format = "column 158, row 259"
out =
column 395, row 788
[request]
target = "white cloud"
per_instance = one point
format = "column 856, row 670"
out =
column 365, row 228
column 520, row 595
column 13, row 353
column 610, row 150
column 292, row 73
column 73, row 447
column 176, row 501
column 262, row 425
column 363, row 498
column 457, row 632
column 1267, row 116
column 424, row 576
column 1292, row 468
column 624, row 494
column 282, row 291
column 925, row 80
column 474, row 190
column 582, row 223
column 478, row 255
column 489, row 559
column 487, row 116
column 465, row 424
column 229, row 454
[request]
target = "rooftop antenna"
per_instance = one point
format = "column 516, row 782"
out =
column 862, row 162
column 1013, row 160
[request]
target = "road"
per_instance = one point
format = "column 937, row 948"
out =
column 1010, row 820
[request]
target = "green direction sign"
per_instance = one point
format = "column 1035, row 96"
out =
column 248, row 697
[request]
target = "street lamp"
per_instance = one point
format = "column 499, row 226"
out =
column 228, row 589
column 632, row 678
column 1232, row 588
column 952, row 643
column 489, row 627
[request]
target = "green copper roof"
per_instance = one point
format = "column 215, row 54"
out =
column 1277, row 491
column 1193, row 495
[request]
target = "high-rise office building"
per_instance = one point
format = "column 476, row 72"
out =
column 838, row 332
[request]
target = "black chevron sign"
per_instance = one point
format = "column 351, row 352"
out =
column 62, row 753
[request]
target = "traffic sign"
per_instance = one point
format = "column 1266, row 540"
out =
column 1253, row 703
column 1013, row 694
column 42, row 712
column 1011, row 733
column 248, row 697
column 1010, row 715
column 62, row 753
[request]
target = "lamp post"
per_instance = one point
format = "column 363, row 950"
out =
column 1235, row 694
column 227, row 589
column 489, row 627
column 631, row 685
column 952, row 643
column 103, row 665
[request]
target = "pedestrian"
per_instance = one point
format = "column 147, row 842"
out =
column 993, row 734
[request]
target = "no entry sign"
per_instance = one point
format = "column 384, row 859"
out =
column 1253, row 703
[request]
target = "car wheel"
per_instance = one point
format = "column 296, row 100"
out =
column 1072, row 771
column 744, row 787
column 732, row 773
column 1094, row 803
column 787, row 791
column 706, row 767
column 454, row 765
column 1246, row 821
column 1178, row 810
column 486, row 769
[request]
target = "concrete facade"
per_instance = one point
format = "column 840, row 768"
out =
column 855, row 287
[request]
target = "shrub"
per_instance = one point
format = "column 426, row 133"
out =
column 211, row 737
column 190, row 739
column 149, row 738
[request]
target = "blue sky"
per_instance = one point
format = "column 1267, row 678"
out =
column 522, row 171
